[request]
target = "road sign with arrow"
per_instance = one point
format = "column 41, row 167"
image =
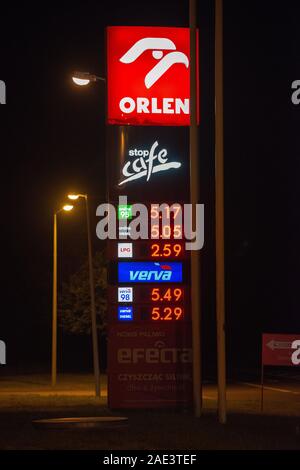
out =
column 280, row 349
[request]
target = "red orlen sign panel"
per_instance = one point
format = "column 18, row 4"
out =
column 148, row 76
column 280, row 350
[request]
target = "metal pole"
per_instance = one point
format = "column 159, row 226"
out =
column 262, row 388
column 219, row 182
column 194, row 196
column 54, row 306
column 93, row 305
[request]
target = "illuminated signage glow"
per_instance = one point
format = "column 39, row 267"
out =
column 167, row 313
column 124, row 212
column 125, row 313
column 154, row 106
column 149, row 272
column 154, row 65
column 166, row 231
column 165, row 250
column 125, row 250
column 125, row 294
column 166, row 295
column 149, row 295
column 143, row 167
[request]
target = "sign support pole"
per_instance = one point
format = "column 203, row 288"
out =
column 219, row 183
column 54, row 306
column 194, row 192
column 262, row 389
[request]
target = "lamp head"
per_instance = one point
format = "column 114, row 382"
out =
column 67, row 207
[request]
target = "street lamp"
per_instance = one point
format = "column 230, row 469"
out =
column 74, row 197
column 66, row 208
column 84, row 78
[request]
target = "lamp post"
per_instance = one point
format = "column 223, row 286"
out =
column 83, row 79
column 66, row 208
column 219, row 204
column 74, row 197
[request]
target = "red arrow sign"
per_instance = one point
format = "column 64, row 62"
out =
column 280, row 350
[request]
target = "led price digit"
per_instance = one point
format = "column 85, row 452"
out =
column 166, row 313
column 169, row 295
column 177, row 232
column 177, row 294
column 166, row 250
column 156, row 209
column 177, row 249
column 167, row 232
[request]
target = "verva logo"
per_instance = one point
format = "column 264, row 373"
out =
column 149, row 271
column 148, row 73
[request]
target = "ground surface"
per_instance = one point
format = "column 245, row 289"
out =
column 25, row 398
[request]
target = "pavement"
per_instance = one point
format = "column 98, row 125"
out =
column 27, row 398
column 281, row 395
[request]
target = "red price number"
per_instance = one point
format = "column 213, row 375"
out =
column 166, row 295
column 167, row 313
column 166, row 250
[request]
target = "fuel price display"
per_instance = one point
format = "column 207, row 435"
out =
column 163, row 313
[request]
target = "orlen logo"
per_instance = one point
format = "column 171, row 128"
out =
column 159, row 354
column 157, row 45
column 149, row 272
column 154, row 65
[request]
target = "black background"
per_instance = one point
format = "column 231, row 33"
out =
column 52, row 141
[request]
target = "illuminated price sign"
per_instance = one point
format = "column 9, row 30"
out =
column 149, row 313
column 144, row 294
column 171, row 294
column 164, row 313
column 125, row 294
column 166, row 250
column 149, row 319
column 145, row 250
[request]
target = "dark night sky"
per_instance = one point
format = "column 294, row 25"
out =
column 53, row 140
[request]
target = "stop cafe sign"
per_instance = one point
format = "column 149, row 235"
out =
column 148, row 75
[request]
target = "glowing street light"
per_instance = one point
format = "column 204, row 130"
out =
column 74, row 197
column 65, row 208
column 84, row 78
column 80, row 81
